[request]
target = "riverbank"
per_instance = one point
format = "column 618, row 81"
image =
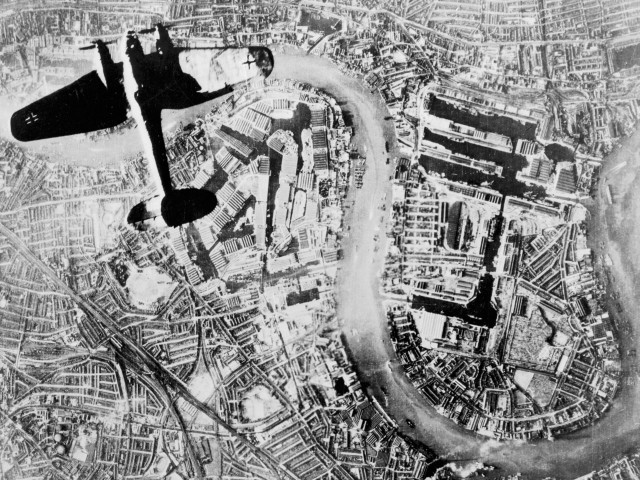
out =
column 365, row 330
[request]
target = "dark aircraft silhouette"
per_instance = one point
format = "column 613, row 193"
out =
column 142, row 86
column 249, row 61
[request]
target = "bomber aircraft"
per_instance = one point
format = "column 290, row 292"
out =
column 141, row 86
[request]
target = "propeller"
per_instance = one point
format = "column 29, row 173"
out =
column 153, row 29
column 94, row 44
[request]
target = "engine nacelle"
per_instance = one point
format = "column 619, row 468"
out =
column 176, row 208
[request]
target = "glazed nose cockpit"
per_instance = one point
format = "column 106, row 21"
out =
column 215, row 69
column 263, row 59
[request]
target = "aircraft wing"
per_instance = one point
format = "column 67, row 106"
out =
column 183, row 77
column 83, row 106
column 216, row 69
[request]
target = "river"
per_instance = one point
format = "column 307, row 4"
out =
column 360, row 307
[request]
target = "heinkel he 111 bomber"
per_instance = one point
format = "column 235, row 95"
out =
column 141, row 86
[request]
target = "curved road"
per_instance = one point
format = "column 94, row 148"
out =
column 360, row 307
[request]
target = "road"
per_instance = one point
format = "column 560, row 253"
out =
column 138, row 358
column 618, row 40
column 621, row 39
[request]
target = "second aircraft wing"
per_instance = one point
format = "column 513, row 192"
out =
column 83, row 106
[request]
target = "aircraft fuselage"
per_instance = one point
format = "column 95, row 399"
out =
column 142, row 86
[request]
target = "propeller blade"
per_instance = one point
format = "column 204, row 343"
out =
column 94, row 44
column 153, row 29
